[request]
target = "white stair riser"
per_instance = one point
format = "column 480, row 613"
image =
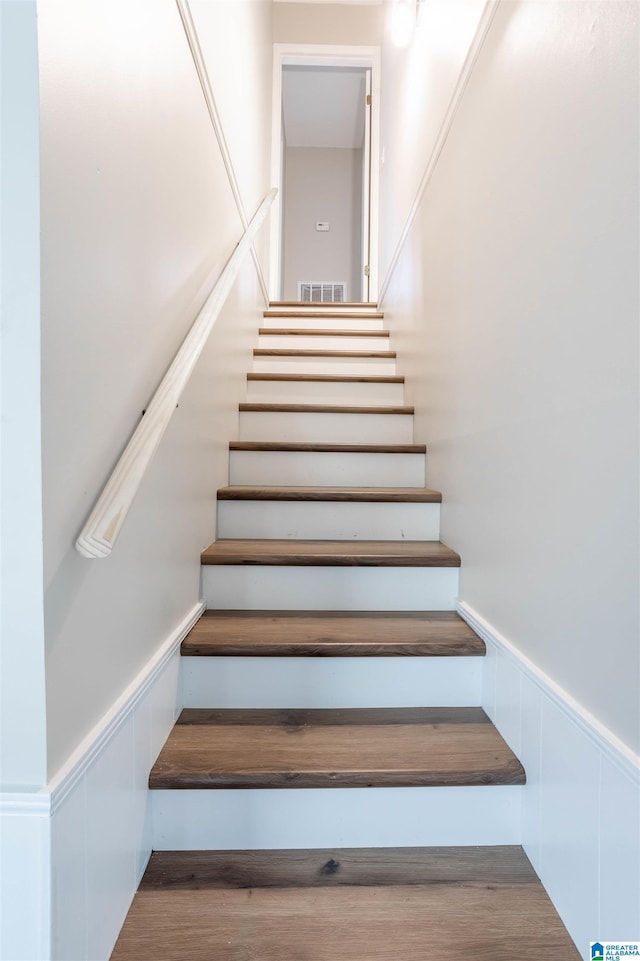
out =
column 324, row 365
column 332, row 818
column 328, row 520
column 327, row 428
column 363, row 322
column 331, row 469
column 276, row 588
column 331, row 682
column 323, row 392
column 321, row 342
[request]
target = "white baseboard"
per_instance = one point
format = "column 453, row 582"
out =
column 581, row 802
column 86, row 837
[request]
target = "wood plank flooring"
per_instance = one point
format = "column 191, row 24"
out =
column 330, row 378
column 386, row 905
column 403, row 495
column 324, row 408
column 332, row 634
column 318, row 332
column 373, row 747
column 340, row 314
column 301, row 446
column 347, row 354
column 331, row 553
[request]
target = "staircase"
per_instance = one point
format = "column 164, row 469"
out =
column 332, row 790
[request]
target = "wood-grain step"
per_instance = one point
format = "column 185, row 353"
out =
column 332, row 634
column 405, row 904
column 303, row 304
column 324, row 409
column 337, row 868
column 403, row 495
column 344, row 354
column 331, row 553
column 341, row 314
column 319, row 332
column 300, row 447
column 362, row 747
column 329, row 378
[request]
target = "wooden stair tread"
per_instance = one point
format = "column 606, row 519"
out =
column 343, row 905
column 330, row 378
column 302, row 447
column 403, row 495
column 373, row 747
column 316, row 312
column 331, row 634
column 274, row 304
column 324, row 409
column 318, row 332
column 338, row 867
column 346, row 354
column 296, row 553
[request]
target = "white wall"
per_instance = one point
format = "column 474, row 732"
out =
column 514, row 309
column 328, row 23
column 322, row 184
column 23, row 719
column 137, row 220
column 417, row 84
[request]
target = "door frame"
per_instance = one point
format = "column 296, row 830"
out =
column 322, row 55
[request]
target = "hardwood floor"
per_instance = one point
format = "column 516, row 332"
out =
column 387, row 495
column 314, row 332
column 332, row 633
column 373, row 747
column 301, row 447
column 402, row 904
column 331, row 553
column 291, row 352
column 324, row 409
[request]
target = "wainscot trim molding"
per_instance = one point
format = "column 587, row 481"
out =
column 605, row 740
column 96, row 740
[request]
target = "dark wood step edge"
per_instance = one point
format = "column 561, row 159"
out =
column 338, row 867
column 332, row 634
column 346, row 354
column 322, row 409
column 306, row 553
column 318, row 332
column 366, row 495
column 330, row 378
column 301, row 447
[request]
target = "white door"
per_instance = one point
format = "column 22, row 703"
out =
column 366, row 192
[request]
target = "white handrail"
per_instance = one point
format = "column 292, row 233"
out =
column 105, row 521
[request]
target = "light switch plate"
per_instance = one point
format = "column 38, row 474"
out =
column 322, row 225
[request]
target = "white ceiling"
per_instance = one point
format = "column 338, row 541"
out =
column 323, row 107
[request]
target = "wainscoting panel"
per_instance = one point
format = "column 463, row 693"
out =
column 581, row 802
column 101, row 816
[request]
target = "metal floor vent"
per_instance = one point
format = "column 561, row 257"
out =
column 322, row 293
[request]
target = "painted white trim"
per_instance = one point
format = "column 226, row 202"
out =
column 105, row 521
column 489, row 12
column 21, row 804
column 604, row 739
column 203, row 76
column 324, row 55
column 94, row 743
